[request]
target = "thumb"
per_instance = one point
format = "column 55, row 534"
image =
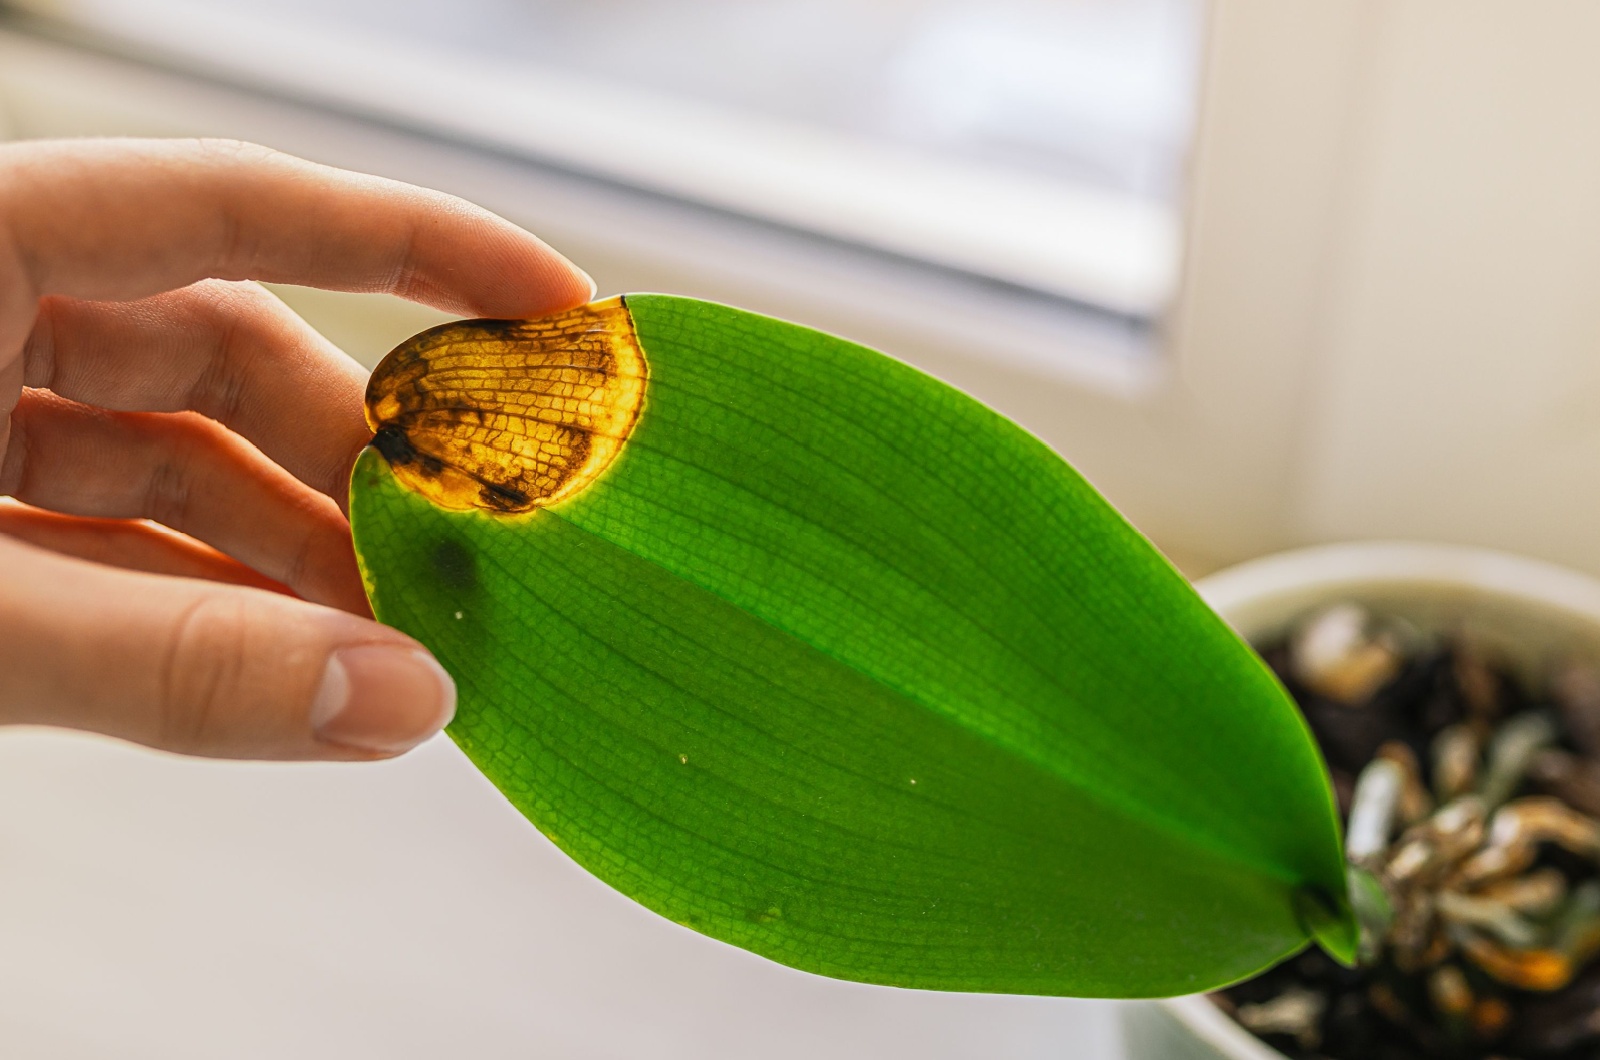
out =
column 202, row 668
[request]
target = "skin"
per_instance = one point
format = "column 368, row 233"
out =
column 175, row 561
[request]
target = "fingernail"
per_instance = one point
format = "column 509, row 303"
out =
column 382, row 698
column 594, row 288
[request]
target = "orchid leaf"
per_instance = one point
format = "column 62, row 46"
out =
column 814, row 654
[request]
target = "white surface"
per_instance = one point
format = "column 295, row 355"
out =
column 155, row 907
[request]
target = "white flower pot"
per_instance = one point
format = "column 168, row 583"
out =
column 1534, row 613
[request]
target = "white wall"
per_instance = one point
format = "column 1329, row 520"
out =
column 1455, row 393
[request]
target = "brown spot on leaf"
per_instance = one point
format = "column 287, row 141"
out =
column 509, row 415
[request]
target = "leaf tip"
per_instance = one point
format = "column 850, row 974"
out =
column 1329, row 920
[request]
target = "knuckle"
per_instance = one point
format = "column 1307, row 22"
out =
column 243, row 307
column 405, row 278
column 299, row 561
column 218, row 391
column 39, row 350
column 166, row 498
column 234, row 247
column 221, row 297
column 208, row 650
column 14, row 453
column 227, row 151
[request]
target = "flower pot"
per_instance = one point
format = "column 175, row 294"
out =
column 1532, row 613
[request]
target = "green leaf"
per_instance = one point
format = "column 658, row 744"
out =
column 837, row 665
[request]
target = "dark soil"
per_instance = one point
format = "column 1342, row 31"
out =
column 1380, row 1013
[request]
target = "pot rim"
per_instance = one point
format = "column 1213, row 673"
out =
column 1354, row 565
column 1200, row 1016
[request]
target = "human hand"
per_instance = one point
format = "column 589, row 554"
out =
column 139, row 382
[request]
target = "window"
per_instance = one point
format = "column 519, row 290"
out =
column 1035, row 144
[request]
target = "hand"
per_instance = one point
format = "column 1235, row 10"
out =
column 139, row 382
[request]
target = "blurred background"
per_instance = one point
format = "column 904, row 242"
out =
column 1269, row 274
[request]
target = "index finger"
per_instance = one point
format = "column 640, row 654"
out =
column 122, row 219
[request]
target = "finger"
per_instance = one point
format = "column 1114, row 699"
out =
column 121, row 219
column 230, row 351
column 188, row 473
column 199, row 668
column 132, row 544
